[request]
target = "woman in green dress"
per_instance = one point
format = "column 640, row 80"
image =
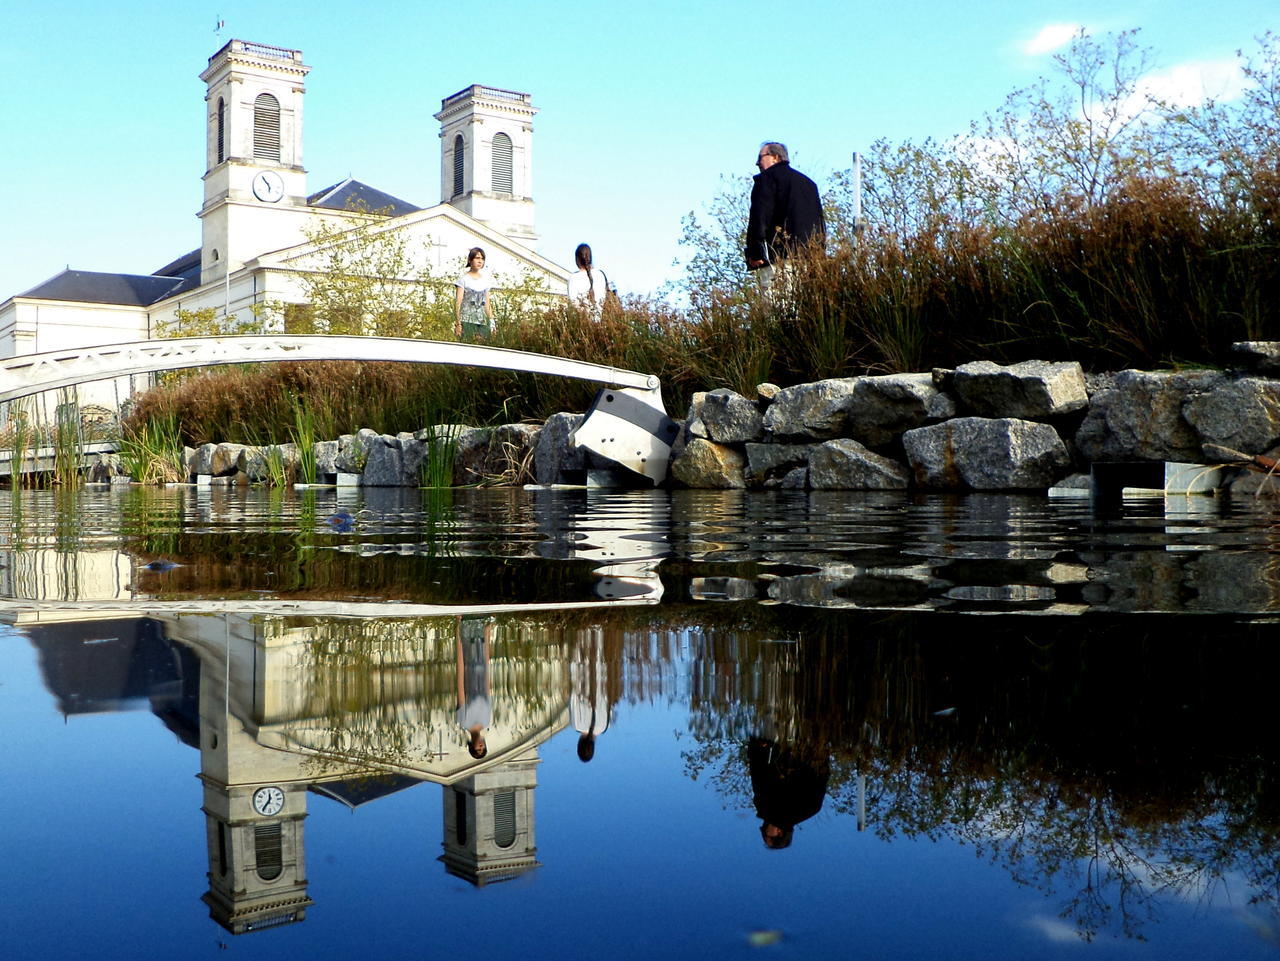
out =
column 473, row 317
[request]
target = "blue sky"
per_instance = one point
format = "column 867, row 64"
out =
column 644, row 106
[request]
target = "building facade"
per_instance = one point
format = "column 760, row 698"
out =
column 259, row 217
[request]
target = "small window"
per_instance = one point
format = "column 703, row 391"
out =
column 501, row 164
column 222, row 129
column 266, row 128
column 504, row 819
column 459, row 158
column 268, row 848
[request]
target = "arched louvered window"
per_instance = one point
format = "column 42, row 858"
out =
column 504, row 819
column 222, row 130
column 501, row 164
column 266, row 128
column 222, row 849
column 268, row 848
column 459, row 157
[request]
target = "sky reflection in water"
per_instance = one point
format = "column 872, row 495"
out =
column 1098, row 779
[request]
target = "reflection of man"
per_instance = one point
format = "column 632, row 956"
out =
column 786, row 211
column 589, row 702
column 787, row 788
column 475, row 712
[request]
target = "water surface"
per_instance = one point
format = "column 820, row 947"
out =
column 825, row 725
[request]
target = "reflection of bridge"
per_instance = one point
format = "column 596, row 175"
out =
column 633, row 428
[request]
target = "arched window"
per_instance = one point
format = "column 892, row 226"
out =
column 459, row 152
column 266, row 128
column 504, row 819
column 268, row 849
column 222, row 129
column 501, row 164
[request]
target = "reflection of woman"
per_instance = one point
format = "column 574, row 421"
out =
column 473, row 317
column 589, row 703
column 588, row 286
column 475, row 711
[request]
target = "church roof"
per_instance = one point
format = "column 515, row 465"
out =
column 185, row 266
column 92, row 287
column 354, row 195
column 361, row 790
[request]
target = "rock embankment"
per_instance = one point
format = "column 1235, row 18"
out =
column 981, row 426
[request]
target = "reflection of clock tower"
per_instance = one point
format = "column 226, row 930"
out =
column 488, row 822
column 257, row 875
column 254, row 184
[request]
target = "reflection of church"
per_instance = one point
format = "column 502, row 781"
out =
column 351, row 711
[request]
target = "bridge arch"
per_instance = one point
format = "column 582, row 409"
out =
column 33, row 373
column 627, row 423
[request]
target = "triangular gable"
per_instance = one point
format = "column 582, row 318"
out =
column 290, row 258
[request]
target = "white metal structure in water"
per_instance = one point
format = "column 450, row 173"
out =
column 631, row 426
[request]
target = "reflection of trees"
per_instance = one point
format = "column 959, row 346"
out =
column 382, row 694
column 1118, row 760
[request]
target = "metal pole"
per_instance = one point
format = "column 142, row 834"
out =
column 858, row 223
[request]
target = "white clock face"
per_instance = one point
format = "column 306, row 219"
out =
column 268, row 186
column 268, row 801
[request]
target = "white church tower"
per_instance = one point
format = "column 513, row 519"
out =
column 486, row 158
column 253, row 166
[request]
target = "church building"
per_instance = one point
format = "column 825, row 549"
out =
column 259, row 214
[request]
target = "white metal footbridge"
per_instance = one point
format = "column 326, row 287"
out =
column 628, row 422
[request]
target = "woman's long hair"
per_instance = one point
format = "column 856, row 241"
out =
column 582, row 257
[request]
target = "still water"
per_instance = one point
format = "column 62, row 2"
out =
column 620, row 725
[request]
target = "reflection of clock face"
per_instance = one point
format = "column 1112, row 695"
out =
column 268, row 187
column 268, row 801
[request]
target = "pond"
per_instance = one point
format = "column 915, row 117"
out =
column 589, row 724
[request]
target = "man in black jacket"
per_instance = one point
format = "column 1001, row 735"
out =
column 786, row 211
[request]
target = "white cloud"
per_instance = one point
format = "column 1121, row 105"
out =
column 1192, row 83
column 1052, row 36
column 1055, row 929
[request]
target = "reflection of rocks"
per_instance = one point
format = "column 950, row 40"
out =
column 1235, row 582
column 722, row 589
column 849, row 586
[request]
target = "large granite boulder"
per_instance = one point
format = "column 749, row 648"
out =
column 768, row 465
column 816, row 411
column 729, row 418
column 1140, row 417
column 353, row 450
column 882, row 407
column 706, row 464
column 200, row 460
column 552, row 455
column 326, row 455
column 1259, row 356
column 1030, row 390
column 844, row 464
column 986, row 454
column 1242, row 415
column 224, row 458
column 384, row 463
